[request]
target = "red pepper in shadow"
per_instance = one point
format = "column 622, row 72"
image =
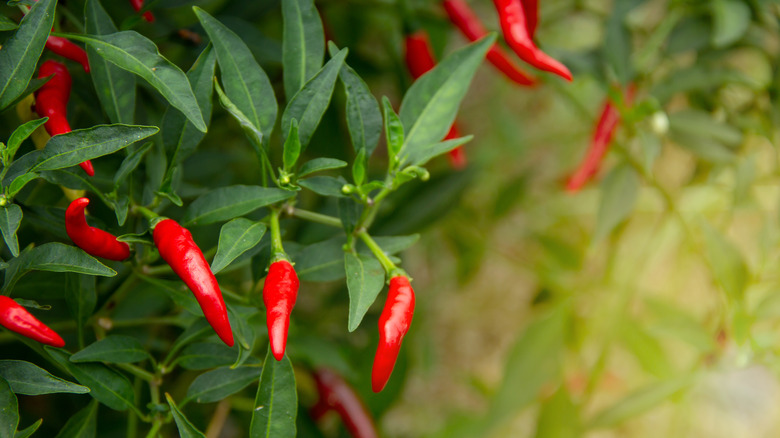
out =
column 599, row 144
column 67, row 49
column 185, row 258
column 394, row 322
column 531, row 10
column 17, row 319
column 137, row 5
column 51, row 100
column 93, row 241
column 336, row 394
column 419, row 60
column 280, row 291
column 464, row 18
column 514, row 26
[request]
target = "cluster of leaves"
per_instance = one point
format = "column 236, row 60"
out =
column 139, row 332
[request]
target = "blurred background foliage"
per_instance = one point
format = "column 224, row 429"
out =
column 646, row 304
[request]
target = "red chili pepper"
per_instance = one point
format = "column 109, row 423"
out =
column 605, row 128
column 137, row 5
column 17, row 319
column 51, row 100
column 517, row 34
column 65, row 48
column 531, row 9
column 457, row 155
column 180, row 252
column 464, row 18
column 394, row 322
column 92, row 240
column 280, row 291
column 337, row 394
column 419, row 60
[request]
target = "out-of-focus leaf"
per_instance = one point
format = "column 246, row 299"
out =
column 730, row 19
column 29, row 430
column 645, row 348
column 83, row 424
column 678, row 324
column 276, row 404
column 617, row 41
column 701, row 125
column 727, row 265
column 320, row 164
column 559, row 417
column 81, row 298
column 324, row 185
column 638, row 402
column 303, row 44
column 619, row 192
column 697, row 78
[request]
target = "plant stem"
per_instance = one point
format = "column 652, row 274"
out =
column 277, row 250
column 390, row 267
column 148, row 214
column 313, row 217
column 137, row 371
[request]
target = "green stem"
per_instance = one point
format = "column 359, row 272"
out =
column 148, row 214
column 118, row 295
column 313, row 217
column 372, row 206
column 277, row 250
column 390, row 267
column 156, row 425
column 137, row 371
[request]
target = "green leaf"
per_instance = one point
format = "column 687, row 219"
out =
column 558, row 417
column 700, row 124
column 9, row 411
column 698, row 78
column 253, row 133
column 7, row 24
column 205, row 355
column 112, row 349
column 30, row 430
column 292, row 147
column 726, row 263
column 19, row 182
column 19, row 135
column 532, row 363
column 365, row 279
column 20, row 53
column 394, row 132
column 320, row 164
column 83, row 424
column 619, row 192
column 617, row 41
column 638, row 402
column 246, row 84
column 222, row 382
column 731, row 19
column 364, row 119
column 235, row 238
column 429, row 106
column 422, row 155
column 646, row 349
column 53, row 257
column 81, row 298
column 359, row 168
column 135, row 53
column 130, row 163
column 107, row 386
column 276, row 404
column 70, row 149
column 675, row 323
column 29, row 379
column 186, row 429
column 310, row 103
column 303, row 44
column 115, row 87
column 10, row 219
column 230, row 202
column 324, row 185
column 321, row 261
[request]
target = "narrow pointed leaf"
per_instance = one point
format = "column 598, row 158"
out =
column 20, row 134
column 30, row 379
column 620, row 189
column 81, row 298
column 303, row 44
column 53, row 257
column 727, row 264
column 320, row 164
column 638, row 402
column 20, row 53
column 235, row 238
column 186, row 429
column 29, row 430
column 112, row 349
column 394, row 131
column 222, row 382
column 230, row 202
column 292, row 147
column 276, row 404
column 253, row 133
column 9, row 410
column 130, row 163
column 83, row 424
column 10, row 219
column 365, row 279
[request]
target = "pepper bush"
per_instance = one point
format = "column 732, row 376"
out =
column 289, row 130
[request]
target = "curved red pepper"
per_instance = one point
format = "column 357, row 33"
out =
column 514, row 25
column 185, row 258
column 51, row 100
column 531, row 10
column 93, row 241
column 464, row 18
column 280, row 291
column 337, row 394
column 394, row 322
column 67, row 49
column 599, row 145
column 17, row 319
column 137, row 5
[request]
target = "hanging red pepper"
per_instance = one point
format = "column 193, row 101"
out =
column 280, row 291
column 531, row 10
column 599, row 144
column 464, row 18
column 51, row 100
column 93, row 241
column 336, row 394
column 394, row 322
column 67, row 49
column 17, row 319
column 517, row 34
column 419, row 60
column 137, row 5
column 182, row 254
